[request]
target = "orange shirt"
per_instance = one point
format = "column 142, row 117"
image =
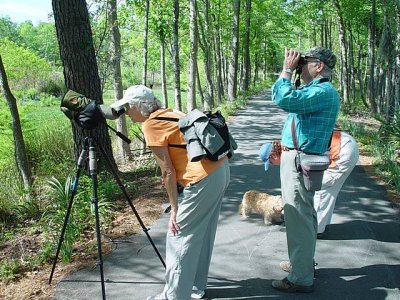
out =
column 161, row 133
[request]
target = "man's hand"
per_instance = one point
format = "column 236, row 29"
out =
column 291, row 59
column 290, row 63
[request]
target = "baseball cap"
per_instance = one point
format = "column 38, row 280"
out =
column 265, row 152
column 134, row 94
column 323, row 54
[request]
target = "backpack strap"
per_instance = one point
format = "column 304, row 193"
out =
column 182, row 146
column 167, row 119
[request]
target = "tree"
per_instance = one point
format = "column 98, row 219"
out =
column 77, row 54
column 205, row 43
column 371, row 50
column 397, row 78
column 233, row 63
column 19, row 144
column 246, row 47
column 343, row 54
column 191, row 95
column 123, row 149
column 145, row 41
column 175, row 57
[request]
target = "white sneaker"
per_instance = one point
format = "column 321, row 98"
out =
column 161, row 296
column 197, row 294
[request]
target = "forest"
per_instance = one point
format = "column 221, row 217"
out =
column 206, row 54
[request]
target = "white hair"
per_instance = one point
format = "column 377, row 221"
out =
column 145, row 107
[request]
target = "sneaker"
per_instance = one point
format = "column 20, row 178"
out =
column 287, row 267
column 161, row 296
column 285, row 285
column 197, row 294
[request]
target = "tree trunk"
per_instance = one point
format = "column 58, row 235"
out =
column 352, row 89
column 233, row 63
column 397, row 72
column 255, row 69
column 204, row 42
column 77, row 54
column 371, row 52
column 343, row 54
column 246, row 47
column 123, row 150
column 19, row 144
column 191, row 94
column 175, row 57
column 218, row 59
column 200, row 90
column 265, row 59
column 145, row 41
column 359, row 74
column 163, row 73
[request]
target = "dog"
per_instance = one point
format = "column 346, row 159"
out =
column 269, row 206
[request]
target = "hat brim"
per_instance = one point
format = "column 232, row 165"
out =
column 120, row 103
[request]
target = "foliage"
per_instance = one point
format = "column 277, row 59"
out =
column 382, row 143
column 82, row 212
column 28, row 71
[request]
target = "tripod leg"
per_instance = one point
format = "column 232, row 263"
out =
column 128, row 199
column 81, row 160
column 95, row 202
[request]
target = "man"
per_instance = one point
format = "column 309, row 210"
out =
column 314, row 108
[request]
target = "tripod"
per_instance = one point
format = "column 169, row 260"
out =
column 89, row 152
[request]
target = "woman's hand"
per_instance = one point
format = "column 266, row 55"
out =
column 172, row 225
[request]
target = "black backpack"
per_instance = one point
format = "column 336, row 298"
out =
column 218, row 122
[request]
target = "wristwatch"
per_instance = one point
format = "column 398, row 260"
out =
column 288, row 70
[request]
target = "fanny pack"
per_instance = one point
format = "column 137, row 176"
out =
column 310, row 166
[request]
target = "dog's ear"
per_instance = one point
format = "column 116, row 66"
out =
column 278, row 208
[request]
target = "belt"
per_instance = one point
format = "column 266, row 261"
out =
column 284, row 148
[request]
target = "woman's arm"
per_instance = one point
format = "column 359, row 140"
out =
column 169, row 175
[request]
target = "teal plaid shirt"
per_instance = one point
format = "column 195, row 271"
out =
column 314, row 107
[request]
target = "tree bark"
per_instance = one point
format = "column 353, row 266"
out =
column 217, row 53
column 123, row 150
column 191, row 95
column 204, row 42
column 19, row 144
column 233, row 63
column 343, row 54
column 246, row 47
column 175, row 57
column 77, row 54
column 397, row 72
column 371, row 51
column 163, row 73
column 145, row 41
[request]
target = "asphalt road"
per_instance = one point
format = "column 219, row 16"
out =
column 358, row 259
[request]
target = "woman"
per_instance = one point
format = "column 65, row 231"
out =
column 194, row 212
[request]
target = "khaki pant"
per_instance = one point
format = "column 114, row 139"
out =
column 189, row 253
column 300, row 221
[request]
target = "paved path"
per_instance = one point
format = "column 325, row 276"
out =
column 359, row 259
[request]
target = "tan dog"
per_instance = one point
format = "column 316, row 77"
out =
column 269, row 206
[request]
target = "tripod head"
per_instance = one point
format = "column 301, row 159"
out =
column 86, row 113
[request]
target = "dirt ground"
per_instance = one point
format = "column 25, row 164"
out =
column 34, row 284
column 148, row 202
